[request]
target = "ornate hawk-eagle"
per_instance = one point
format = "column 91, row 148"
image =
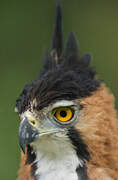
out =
column 69, row 127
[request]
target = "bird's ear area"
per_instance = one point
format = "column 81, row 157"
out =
column 57, row 39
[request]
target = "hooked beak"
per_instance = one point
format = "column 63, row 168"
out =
column 27, row 134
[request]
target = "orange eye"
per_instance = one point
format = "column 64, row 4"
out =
column 64, row 114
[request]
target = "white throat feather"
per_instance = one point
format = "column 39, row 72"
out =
column 56, row 158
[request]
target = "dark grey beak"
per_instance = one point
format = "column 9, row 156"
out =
column 27, row 134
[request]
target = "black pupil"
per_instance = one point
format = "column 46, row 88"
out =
column 63, row 113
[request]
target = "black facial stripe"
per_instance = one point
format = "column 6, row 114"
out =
column 81, row 150
column 82, row 173
column 31, row 157
column 33, row 171
column 80, row 146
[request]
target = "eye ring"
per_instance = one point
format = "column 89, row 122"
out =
column 64, row 114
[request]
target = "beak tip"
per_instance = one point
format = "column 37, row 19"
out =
column 22, row 148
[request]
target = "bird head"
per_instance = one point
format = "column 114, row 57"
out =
column 50, row 106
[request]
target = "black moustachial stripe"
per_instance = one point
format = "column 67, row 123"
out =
column 31, row 157
column 80, row 146
column 81, row 150
column 33, row 171
column 82, row 172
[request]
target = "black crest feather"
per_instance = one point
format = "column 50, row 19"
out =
column 64, row 76
column 71, row 47
column 57, row 40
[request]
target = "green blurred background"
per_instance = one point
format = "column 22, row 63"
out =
column 25, row 32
